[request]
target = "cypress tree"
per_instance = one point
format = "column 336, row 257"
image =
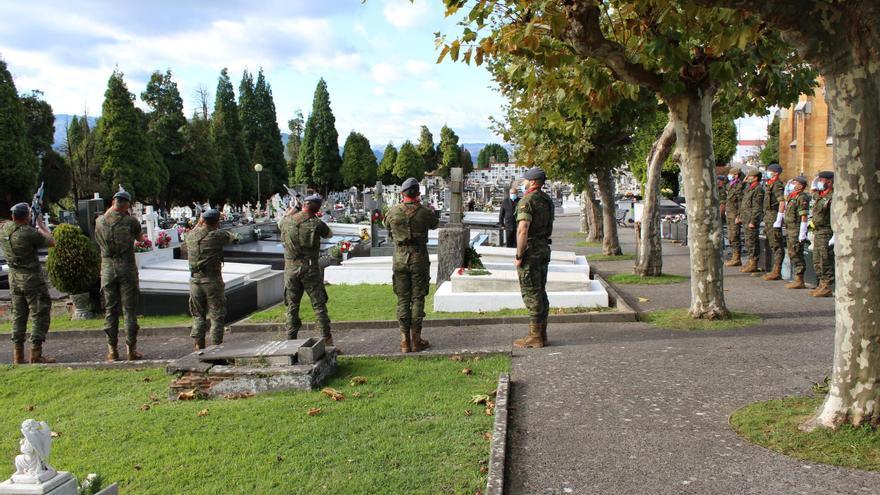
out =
column 319, row 154
column 386, row 166
column 270, row 137
column 358, row 161
column 409, row 163
column 166, row 128
column 294, row 141
column 426, row 149
column 227, row 141
column 448, row 151
column 18, row 164
column 202, row 176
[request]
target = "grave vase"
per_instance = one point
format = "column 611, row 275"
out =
column 82, row 306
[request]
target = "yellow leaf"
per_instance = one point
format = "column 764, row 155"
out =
column 333, row 393
column 314, row 411
column 203, row 413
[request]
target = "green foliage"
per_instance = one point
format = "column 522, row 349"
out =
column 773, row 424
column 228, row 145
column 630, row 279
column 167, row 128
column 318, row 163
column 386, row 166
column 770, row 153
column 126, row 153
column 643, row 139
column 296, row 125
column 679, row 319
column 80, row 152
column 466, row 161
column 259, row 123
column 40, row 122
column 374, row 441
column 18, row 164
column 408, row 163
column 724, row 138
column 492, row 152
column 56, row 175
column 613, row 257
column 73, row 264
column 426, row 149
column 201, row 178
column 448, row 151
column 358, row 161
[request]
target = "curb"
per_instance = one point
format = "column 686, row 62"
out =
column 116, row 365
column 498, row 447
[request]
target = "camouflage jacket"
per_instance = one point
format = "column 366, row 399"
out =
column 796, row 206
column 115, row 233
column 20, row 244
column 301, row 235
column 774, row 193
column 409, row 223
column 734, row 196
column 751, row 209
column 537, row 208
column 204, row 248
column 822, row 212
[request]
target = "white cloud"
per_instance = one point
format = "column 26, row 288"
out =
column 431, row 85
column 385, row 73
column 378, row 91
column 405, row 14
column 418, row 67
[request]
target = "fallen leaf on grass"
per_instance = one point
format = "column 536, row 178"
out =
column 355, row 394
column 333, row 393
column 490, row 408
column 188, row 395
column 467, row 371
column 480, row 399
column 456, row 358
column 358, row 380
column 477, row 358
column 154, row 398
column 239, row 395
column 279, row 458
column 484, row 470
column 55, row 434
column 145, row 407
column 467, row 412
column 314, row 411
column 487, row 435
column 643, row 299
column 30, row 407
column 137, row 467
column 147, row 379
column 203, row 413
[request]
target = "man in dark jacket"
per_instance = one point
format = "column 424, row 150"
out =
column 507, row 217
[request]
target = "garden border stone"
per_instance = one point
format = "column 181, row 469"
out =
column 498, row 446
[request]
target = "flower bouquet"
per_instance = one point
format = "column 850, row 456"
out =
column 143, row 246
column 344, row 249
column 163, row 240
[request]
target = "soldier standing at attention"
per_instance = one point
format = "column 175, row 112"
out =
column 301, row 234
column 408, row 223
column 797, row 206
column 721, row 183
column 774, row 207
column 116, row 232
column 27, row 285
column 751, row 210
column 731, row 210
column 535, row 216
column 823, row 236
column 207, row 292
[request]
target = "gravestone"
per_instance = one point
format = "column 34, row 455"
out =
column 452, row 239
column 33, row 474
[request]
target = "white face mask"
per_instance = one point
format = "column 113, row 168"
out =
column 820, row 186
column 513, row 196
column 730, row 177
column 522, row 187
column 770, row 175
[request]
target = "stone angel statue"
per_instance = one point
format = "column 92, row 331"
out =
column 32, row 466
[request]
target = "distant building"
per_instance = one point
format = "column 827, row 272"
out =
column 501, row 175
column 805, row 130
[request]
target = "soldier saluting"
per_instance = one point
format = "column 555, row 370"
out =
column 28, row 289
column 408, row 224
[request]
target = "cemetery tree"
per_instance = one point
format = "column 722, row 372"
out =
column 466, row 160
column 166, row 128
column 319, row 153
column 18, row 164
column 770, row 152
column 79, row 150
column 202, row 178
column 294, row 140
column 248, row 115
column 449, row 154
column 229, row 147
column 492, row 152
column 408, row 163
column 724, row 138
column 688, row 56
column 56, row 175
column 270, row 134
column 842, row 40
column 358, row 161
column 386, row 166
column 426, row 149
column 40, row 122
column 265, row 178
column 127, row 155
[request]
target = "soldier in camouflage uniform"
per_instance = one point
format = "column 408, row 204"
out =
column 731, row 210
column 823, row 236
column 408, row 224
column 207, row 292
column 534, row 216
column 721, row 184
column 797, row 206
column 301, row 234
column 27, row 285
column 751, row 210
column 774, row 208
column 116, row 232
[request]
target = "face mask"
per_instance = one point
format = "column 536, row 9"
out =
column 513, row 197
column 769, row 175
column 730, row 177
column 820, row 186
column 789, row 188
column 522, row 187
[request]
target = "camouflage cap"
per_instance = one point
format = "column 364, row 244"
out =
column 774, row 167
column 409, row 184
column 123, row 195
column 314, row 198
column 211, row 214
column 801, row 179
column 735, row 170
column 826, row 174
column 753, row 172
column 20, row 210
column 535, row 173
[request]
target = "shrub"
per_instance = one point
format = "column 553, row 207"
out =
column 73, row 263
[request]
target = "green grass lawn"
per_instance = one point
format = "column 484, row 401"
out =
column 602, row 257
column 62, row 322
column 588, row 244
column 630, row 279
column 406, row 430
column 774, row 425
column 374, row 302
column 678, row 319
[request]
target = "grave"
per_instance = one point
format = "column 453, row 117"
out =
column 243, row 369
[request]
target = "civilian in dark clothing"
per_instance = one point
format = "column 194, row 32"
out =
column 507, row 218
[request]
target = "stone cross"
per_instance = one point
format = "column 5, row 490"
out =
column 456, row 187
column 151, row 217
column 380, row 198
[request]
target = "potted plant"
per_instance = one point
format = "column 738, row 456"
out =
column 73, row 266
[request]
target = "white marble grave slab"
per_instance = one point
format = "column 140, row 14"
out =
column 153, row 257
column 248, row 270
column 445, row 300
column 62, row 484
column 508, row 281
column 494, row 254
column 178, row 281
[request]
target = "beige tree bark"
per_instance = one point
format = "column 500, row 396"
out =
column 649, row 255
column 610, row 241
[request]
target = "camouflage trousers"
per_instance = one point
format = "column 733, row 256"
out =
column 533, row 284
column 774, row 241
column 30, row 301
column 733, row 235
column 753, row 247
column 795, row 253
column 120, row 291
column 305, row 277
column 411, row 280
column 207, row 304
column 823, row 257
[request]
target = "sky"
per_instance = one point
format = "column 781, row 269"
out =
column 378, row 58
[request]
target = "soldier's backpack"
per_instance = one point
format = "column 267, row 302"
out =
column 6, row 243
column 117, row 237
column 303, row 239
column 194, row 250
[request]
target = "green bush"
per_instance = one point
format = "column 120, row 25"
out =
column 73, row 263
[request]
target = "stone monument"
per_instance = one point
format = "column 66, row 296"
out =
column 33, row 474
column 452, row 239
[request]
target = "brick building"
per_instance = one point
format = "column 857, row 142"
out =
column 805, row 131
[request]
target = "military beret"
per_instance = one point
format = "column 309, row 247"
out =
column 801, row 179
column 535, row 173
column 20, row 209
column 753, row 172
column 123, row 195
column 314, row 198
column 826, row 174
column 211, row 214
column 774, row 167
column 409, row 184
column 735, row 170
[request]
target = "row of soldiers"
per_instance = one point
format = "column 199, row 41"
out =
column 746, row 201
